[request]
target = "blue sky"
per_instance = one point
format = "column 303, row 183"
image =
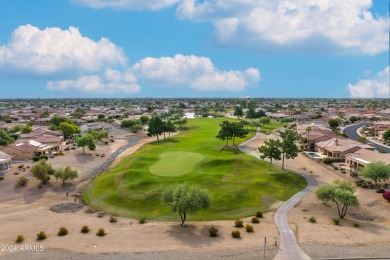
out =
column 188, row 48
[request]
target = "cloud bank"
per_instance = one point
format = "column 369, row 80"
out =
column 79, row 63
column 128, row 4
column 375, row 87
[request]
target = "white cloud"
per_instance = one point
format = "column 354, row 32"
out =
column 316, row 25
column 112, row 81
column 376, row 87
column 54, row 51
column 128, row 4
column 192, row 71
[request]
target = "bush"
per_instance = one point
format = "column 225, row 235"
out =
column 21, row 181
column 336, row 221
column 239, row 223
column 236, row 234
column 85, row 229
column 1, row 178
column 312, row 220
column 356, row 225
column 386, row 195
column 101, row 232
column 63, row 231
column 249, row 228
column 255, row 220
column 213, row 232
column 36, row 158
column 142, row 220
column 327, row 160
column 20, row 166
column 380, row 191
column 44, row 156
column 41, row 235
column 113, row 220
column 19, row 239
column 259, row 214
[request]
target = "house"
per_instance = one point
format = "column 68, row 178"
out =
column 363, row 157
column 5, row 163
column 317, row 136
column 24, row 151
column 46, row 139
column 339, row 148
column 96, row 126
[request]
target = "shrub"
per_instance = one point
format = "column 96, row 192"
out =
column 236, row 234
column 239, row 223
column 85, row 229
column 63, row 231
column 386, row 195
column 36, row 158
column 113, row 220
column 249, row 228
column 44, row 156
column 213, row 232
column 41, row 235
column 61, row 153
column 336, row 221
column 380, row 191
column 21, row 181
column 101, row 214
column 255, row 220
column 142, row 220
column 327, row 160
column 101, row 232
column 1, row 178
column 259, row 214
column 312, row 220
column 19, row 239
column 20, row 166
column 356, row 225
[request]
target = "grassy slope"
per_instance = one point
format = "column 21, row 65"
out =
column 237, row 183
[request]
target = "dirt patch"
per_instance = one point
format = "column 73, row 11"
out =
column 66, row 207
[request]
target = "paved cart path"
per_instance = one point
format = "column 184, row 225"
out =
column 289, row 248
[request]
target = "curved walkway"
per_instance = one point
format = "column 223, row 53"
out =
column 289, row 248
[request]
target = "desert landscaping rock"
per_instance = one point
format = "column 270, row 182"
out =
column 66, row 207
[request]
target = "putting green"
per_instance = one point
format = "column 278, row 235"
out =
column 175, row 163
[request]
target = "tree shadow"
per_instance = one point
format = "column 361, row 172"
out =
column 192, row 235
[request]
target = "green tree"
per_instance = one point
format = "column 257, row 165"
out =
column 339, row 192
column 78, row 113
column 353, row 119
column 238, row 131
column 42, row 171
column 98, row 135
column 386, row 136
column 288, row 148
column 309, row 129
column 270, row 150
column 155, row 127
column 238, row 112
column 65, row 174
column 169, row 127
column 376, row 171
column 57, row 120
column 101, row 117
column 226, row 132
column 264, row 120
column 5, row 139
column 334, row 123
column 86, row 140
column 68, row 129
column 144, row 119
column 15, row 129
column 26, row 130
column 250, row 113
column 183, row 198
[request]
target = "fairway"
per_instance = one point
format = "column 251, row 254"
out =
column 175, row 163
column 238, row 184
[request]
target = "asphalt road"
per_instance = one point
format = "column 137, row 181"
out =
column 351, row 132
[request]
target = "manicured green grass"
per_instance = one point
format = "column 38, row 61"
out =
column 271, row 126
column 175, row 163
column 238, row 184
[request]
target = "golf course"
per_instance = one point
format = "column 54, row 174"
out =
column 238, row 184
